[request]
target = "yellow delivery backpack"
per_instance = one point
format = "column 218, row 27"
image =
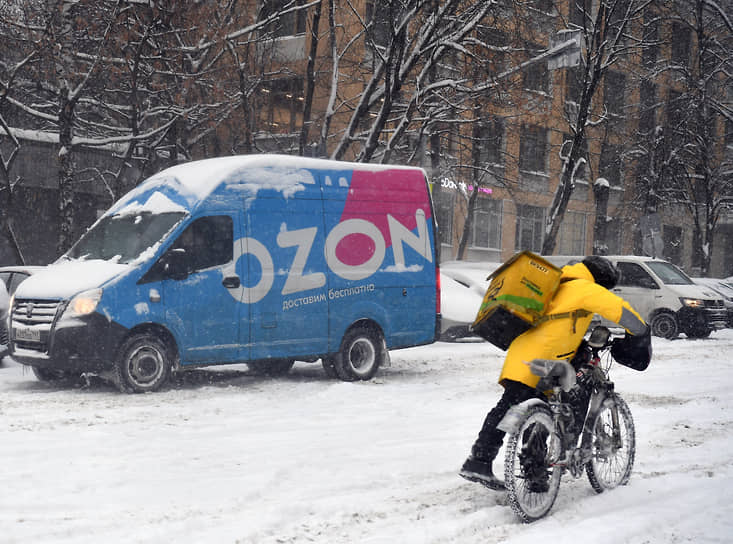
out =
column 517, row 298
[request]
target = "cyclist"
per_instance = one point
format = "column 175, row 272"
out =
column 583, row 291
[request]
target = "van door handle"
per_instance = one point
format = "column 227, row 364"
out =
column 231, row 282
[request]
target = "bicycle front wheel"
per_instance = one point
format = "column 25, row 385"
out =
column 531, row 478
column 614, row 445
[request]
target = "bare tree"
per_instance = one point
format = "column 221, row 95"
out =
column 683, row 161
column 606, row 33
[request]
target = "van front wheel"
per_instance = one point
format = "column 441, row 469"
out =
column 362, row 352
column 664, row 324
column 143, row 365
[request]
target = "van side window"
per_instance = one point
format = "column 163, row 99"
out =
column 208, row 241
column 633, row 275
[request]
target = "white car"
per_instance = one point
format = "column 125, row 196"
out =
column 10, row 278
column 4, row 304
column 725, row 289
column 664, row 295
column 462, row 288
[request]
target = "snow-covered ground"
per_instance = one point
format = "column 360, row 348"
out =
column 222, row 455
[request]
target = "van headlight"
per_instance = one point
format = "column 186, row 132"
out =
column 692, row 302
column 84, row 303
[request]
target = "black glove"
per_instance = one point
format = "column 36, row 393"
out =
column 633, row 351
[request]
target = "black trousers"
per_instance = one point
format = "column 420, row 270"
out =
column 490, row 438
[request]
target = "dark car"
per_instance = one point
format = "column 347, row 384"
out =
column 10, row 278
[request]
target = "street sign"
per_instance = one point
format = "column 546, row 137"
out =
column 565, row 49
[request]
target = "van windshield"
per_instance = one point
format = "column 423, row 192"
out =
column 669, row 273
column 124, row 238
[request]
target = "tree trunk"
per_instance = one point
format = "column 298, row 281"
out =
column 468, row 225
column 66, row 176
column 310, row 79
column 600, row 192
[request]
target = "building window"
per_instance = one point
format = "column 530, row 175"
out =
column 536, row 77
column 283, row 99
column 486, row 226
column 681, row 37
column 533, row 149
column 497, row 43
column 291, row 23
column 491, row 142
column 530, row 225
column 379, row 15
column 571, row 238
column 675, row 113
column 610, row 164
column 579, row 10
column 614, row 227
column 647, row 113
column 650, row 51
column 614, row 91
column 445, row 203
column 574, row 85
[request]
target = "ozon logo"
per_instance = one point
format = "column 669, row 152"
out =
column 303, row 240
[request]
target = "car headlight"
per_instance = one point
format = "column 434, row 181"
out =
column 692, row 302
column 84, row 303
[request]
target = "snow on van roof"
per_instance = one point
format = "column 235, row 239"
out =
column 193, row 181
column 157, row 203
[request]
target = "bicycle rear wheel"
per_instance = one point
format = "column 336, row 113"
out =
column 614, row 445
column 532, row 480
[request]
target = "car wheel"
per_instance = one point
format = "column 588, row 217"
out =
column 143, row 365
column 664, row 324
column 362, row 352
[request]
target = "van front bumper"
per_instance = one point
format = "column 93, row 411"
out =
column 699, row 321
column 79, row 344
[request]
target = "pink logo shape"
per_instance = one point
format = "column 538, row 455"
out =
column 372, row 197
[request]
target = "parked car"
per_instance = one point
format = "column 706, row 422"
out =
column 725, row 289
column 664, row 295
column 463, row 285
column 4, row 305
column 10, row 278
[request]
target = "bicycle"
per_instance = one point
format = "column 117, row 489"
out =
column 583, row 426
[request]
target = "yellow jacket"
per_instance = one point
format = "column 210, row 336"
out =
column 560, row 338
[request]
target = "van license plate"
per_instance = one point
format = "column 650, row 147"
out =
column 29, row 335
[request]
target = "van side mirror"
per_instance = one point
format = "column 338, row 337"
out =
column 175, row 264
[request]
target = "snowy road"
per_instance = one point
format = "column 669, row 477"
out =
column 226, row 456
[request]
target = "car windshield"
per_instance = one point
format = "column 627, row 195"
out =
column 669, row 273
column 123, row 237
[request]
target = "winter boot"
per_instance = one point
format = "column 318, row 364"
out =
column 479, row 471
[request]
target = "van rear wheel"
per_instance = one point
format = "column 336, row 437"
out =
column 143, row 364
column 362, row 352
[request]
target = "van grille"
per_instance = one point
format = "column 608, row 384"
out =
column 39, row 314
column 35, row 312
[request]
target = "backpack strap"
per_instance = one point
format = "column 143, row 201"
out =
column 575, row 315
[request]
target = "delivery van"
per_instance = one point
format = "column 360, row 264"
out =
column 263, row 259
column 668, row 300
